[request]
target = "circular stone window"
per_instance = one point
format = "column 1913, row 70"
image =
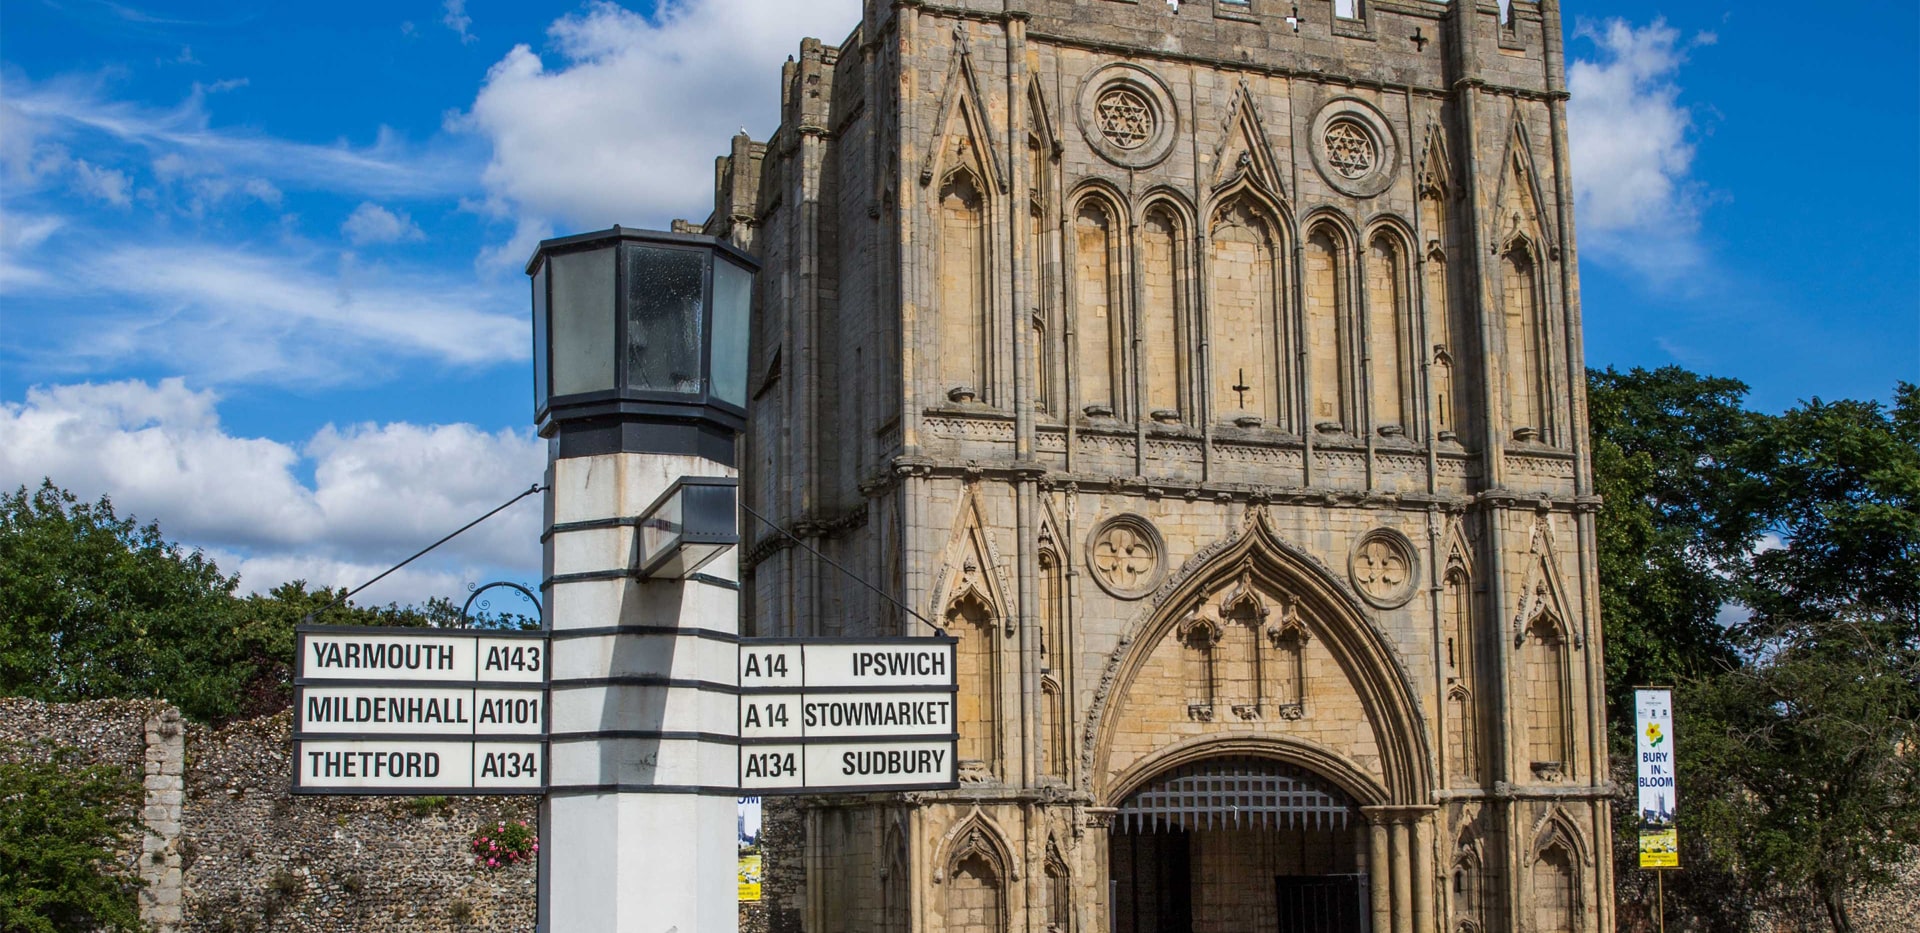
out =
column 1127, row 556
column 1353, row 147
column 1383, row 568
column 1126, row 114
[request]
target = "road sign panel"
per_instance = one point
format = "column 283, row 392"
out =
column 380, row 709
column 845, row 715
column 823, row 767
column 418, row 766
column 409, row 655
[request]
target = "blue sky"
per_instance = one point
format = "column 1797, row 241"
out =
column 260, row 263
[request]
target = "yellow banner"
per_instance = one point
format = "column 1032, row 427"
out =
column 749, row 878
column 1659, row 848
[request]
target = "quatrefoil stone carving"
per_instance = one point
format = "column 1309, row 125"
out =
column 1126, row 555
column 1382, row 567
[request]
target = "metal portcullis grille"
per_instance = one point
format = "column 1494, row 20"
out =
column 1236, row 793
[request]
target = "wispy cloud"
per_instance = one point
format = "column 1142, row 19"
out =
column 565, row 138
column 454, row 16
column 1632, row 141
column 236, row 315
column 378, row 492
column 109, row 185
column 71, row 111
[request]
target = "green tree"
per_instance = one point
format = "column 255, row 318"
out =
column 64, row 828
column 1671, row 462
column 1816, row 736
column 265, row 641
column 101, row 606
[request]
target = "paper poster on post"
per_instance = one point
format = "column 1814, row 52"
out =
column 1659, row 792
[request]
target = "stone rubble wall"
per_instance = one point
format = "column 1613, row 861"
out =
column 231, row 850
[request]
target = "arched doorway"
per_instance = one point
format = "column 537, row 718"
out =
column 1238, row 844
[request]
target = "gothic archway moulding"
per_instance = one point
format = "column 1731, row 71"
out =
column 1372, row 665
column 975, row 834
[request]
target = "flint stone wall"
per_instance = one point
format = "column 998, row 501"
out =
column 252, row 857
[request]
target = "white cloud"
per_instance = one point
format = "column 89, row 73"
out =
column 109, row 185
column 456, row 19
column 371, row 223
column 238, row 315
column 1632, row 149
column 39, row 119
column 378, row 493
column 625, row 127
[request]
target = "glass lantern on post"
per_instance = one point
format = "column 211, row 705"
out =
column 640, row 342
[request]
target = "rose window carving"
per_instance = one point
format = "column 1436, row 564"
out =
column 1125, row 556
column 1382, row 567
column 1351, row 151
column 1124, row 118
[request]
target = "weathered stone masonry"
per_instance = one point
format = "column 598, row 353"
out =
column 228, row 848
column 1214, row 375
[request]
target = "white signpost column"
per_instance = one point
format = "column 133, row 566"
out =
column 640, row 387
column 639, row 819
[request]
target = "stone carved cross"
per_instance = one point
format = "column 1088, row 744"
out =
column 1380, row 568
column 1123, row 556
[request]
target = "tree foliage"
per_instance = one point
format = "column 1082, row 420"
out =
column 63, row 825
column 1770, row 567
column 1818, row 730
column 1671, row 464
column 99, row 606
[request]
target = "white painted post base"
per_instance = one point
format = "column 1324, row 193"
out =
column 642, row 863
column 638, row 830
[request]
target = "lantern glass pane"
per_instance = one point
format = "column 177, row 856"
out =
column 583, row 320
column 660, row 530
column 540, row 325
column 663, row 319
column 732, row 301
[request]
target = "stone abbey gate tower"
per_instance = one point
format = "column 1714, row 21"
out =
column 1214, row 374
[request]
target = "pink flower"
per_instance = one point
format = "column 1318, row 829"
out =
column 492, row 864
column 536, row 847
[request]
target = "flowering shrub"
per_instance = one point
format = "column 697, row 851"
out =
column 504, row 844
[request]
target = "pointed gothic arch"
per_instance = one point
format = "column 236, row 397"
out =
column 970, row 603
column 961, row 100
column 975, row 870
column 1559, row 857
column 1367, row 658
column 1097, row 301
column 1245, row 284
column 1244, row 154
column 1392, row 333
column 1327, row 323
column 1163, row 266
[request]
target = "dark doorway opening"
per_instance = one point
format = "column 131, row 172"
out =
column 1238, row 845
column 1316, row 903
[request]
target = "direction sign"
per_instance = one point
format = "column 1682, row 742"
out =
column 414, row 655
column 419, row 711
column 450, row 711
column 823, row 715
column 403, row 766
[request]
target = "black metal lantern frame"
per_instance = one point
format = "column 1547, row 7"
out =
column 640, row 341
